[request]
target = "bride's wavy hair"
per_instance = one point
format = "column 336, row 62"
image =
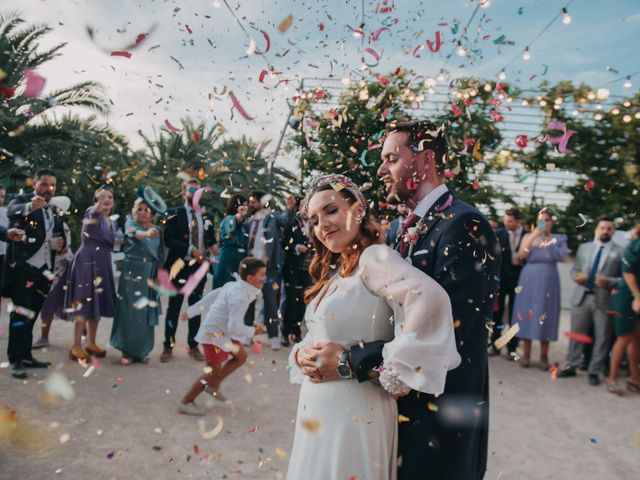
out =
column 324, row 261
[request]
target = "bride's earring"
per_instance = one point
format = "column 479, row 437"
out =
column 358, row 218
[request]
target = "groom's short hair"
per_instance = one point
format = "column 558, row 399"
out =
column 424, row 135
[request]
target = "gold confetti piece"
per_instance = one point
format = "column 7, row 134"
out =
column 432, row 407
column 64, row 438
column 158, row 430
column 314, row 426
column 518, row 289
column 403, row 419
column 212, row 433
column 99, row 432
column 207, row 370
column 97, row 281
column 456, row 323
column 505, row 337
column 175, row 268
column 248, row 378
column 285, row 24
column 280, row 453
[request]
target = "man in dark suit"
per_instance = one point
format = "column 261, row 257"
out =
column 188, row 235
column 28, row 266
column 509, row 238
column 295, row 273
column 445, row 438
column 265, row 242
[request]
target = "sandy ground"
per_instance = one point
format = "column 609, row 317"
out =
column 123, row 422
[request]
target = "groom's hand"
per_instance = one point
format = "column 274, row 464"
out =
column 327, row 358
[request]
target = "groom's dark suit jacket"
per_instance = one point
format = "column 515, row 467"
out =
column 446, row 437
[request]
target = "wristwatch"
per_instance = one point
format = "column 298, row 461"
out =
column 344, row 368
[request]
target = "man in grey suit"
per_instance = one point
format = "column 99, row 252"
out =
column 596, row 271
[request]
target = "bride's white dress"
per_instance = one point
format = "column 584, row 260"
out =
column 349, row 430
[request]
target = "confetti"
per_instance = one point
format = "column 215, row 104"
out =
column 508, row 335
column 212, row 433
column 34, row 83
column 196, row 199
column 193, row 281
column 312, row 425
column 121, row 54
column 280, row 453
column 285, row 24
column 171, row 127
column 88, row 371
column 435, row 48
column 64, row 438
column 579, row 337
column 236, row 104
column 589, row 184
column 403, row 419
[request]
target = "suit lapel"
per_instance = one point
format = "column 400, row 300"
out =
column 427, row 223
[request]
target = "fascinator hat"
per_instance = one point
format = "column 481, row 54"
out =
column 337, row 182
column 153, row 199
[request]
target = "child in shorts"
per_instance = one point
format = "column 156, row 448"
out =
column 223, row 331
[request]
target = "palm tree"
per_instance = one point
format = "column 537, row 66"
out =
column 27, row 120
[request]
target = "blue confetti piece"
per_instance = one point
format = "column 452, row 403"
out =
column 593, row 440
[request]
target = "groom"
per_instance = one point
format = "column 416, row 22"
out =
column 444, row 438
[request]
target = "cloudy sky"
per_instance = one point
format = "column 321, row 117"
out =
column 197, row 52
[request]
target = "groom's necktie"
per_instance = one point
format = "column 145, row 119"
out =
column 591, row 279
column 407, row 224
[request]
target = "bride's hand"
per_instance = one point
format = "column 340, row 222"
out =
column 327, row 357
column 306, row 359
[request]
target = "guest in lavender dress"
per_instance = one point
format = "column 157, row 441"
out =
column 537, row 306
column 90, row 285
column 53, row 305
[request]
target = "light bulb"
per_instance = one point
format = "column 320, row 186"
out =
column 602, row 93
column 345, row 81
column 485, row 3
column 358, row 32
column 637, row 115
column 615, row 111
column 626, row 118
column 627, row 83
column 526, row 55
column 461, row 51
column 598, row 116
column 502, row 75
column 216, row 3
column 566, row 18
column 440, row 76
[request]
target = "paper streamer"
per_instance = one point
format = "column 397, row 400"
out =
column 263, row 74
column 171, row 127
column 375, row 36
column 436, row 47
column 194, row 279
column 374, row 54
column 521, row 141
column 121, row 54
column 561, row 140
column 207, row 435
column 241, row 110
column 35, row 83
column 196, row 199
column 508, row 335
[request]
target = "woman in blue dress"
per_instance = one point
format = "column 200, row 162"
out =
column 233, row 240
column 537, row 304
column 138, row 305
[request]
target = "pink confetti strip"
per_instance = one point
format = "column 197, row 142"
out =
column 467, row 142
column 373, row 53
column 268, row 40
column 193, row 281
column 561, row 140
column 35, row 83
column 456, row 111
column 241, row 110
column 171, row 127
column 521, row 141
column 416, row 50
column 436, row 47
column 263, row 74
column 121, row 54
column 196, row 199
column 375, row 36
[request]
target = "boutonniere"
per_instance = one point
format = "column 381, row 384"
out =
column 412, row 236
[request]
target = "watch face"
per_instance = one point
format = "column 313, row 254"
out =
column 344, row 370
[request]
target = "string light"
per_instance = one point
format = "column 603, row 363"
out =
column 566, row 18
column 485, row 3
column 602, row 93
column 627, row 82
column 358, row 32
column 440, row 76
column 502, row 75
column 460, row 50
column 526, row 55
column 626, row 118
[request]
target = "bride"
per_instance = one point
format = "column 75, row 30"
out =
column 364, row 291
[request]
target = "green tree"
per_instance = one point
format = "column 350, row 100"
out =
column 26, row 120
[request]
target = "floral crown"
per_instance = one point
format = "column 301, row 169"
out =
column 337, row 182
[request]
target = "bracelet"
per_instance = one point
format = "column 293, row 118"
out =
column 392, row 383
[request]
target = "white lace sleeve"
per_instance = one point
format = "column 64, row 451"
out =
column 423, row 348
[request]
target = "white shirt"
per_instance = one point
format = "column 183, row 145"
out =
column 43, row 255
column 224, row 309
column 514, row 240
column 257, row 228
column 4, row 221
column 427, row 202
column 190, row 212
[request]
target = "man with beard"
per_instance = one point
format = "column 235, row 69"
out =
column 444, row 438
column 28, row 266
column 188, row 235
column 596, row 271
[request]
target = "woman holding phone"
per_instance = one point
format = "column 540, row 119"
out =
column 537, row 304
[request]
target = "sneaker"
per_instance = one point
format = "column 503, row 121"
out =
column 594, row 381
column 40, row 343
column 166, row 355
column 190, row 409
column 18, row 370
column 275, row 343
column 217, row 394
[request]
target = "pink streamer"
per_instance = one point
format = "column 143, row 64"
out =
column 171, row 127
column 121, row 54
column 193, row 281
column 456, row 111
column 467, row 142
column 35, row 83
column 375, row 36
column 373, row 53
column 438, row 44
column 561, row 140
column 196, row 199
column 239, row 107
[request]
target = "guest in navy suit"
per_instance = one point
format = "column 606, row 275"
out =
column 189, row 236
column 445, row 438
column 25, row 278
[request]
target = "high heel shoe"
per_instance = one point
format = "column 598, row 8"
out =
column 95, row 350
column 76, row 354
column 633, row 386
